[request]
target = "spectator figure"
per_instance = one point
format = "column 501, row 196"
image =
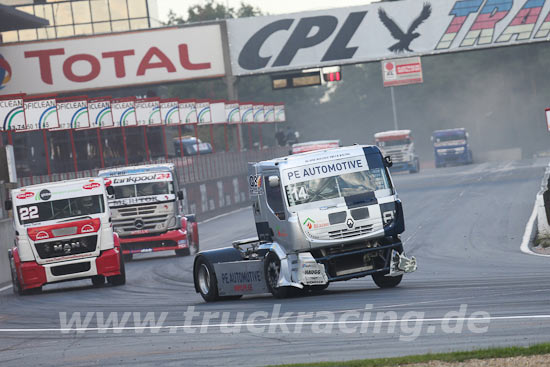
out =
column 281, row 138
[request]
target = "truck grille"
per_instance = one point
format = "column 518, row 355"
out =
column 138, row 218
column 347, row 233
column 137, row 211
column 60, row 248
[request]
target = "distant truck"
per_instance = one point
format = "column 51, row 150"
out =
column 451, row 147
column 321, row 217
column 147, row 211
column 63, row 232
column 190, row 146
column 314, row 145
column 399, row 145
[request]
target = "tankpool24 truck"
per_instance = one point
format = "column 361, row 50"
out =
column 147, row 210
column 63, row 232
column 321, row 217
column 451, row 147
column 399, row 145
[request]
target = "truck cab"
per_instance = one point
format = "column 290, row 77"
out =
column 320, row 217
column 147, row 211
column 399, row 145
column 451, row 147
column 63, row 232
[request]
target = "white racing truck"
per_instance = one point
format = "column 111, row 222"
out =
column 321, row 217
column 63, row 232
column 147, row 210
column 399, row 145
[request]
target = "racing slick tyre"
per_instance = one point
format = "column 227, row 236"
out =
column 416, row 167
column 382, row 281
column 272, row 270
column 121, row 278
column 98, row 280
column 205, row 280
column 16, row 285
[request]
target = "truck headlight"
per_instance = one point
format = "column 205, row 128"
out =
column 388, row 216
column 172, row 222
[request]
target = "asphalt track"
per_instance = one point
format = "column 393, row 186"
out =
column 464, row 225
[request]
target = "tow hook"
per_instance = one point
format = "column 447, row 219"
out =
column 401, row 264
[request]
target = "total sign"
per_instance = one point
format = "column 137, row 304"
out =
column 113, row 60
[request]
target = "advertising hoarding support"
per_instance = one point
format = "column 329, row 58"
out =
column 100, row 147
column 394, row 109
column 181, row 143
column 164, row 141
column 71, row 136
column 47, row 151
column 124, row 145
column 146, row 141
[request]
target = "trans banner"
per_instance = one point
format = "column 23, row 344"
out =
column 217, row 111
column 148, row 111
column 169, row 111
column 12, row 113
column 232, row 112
column 280, row 113
column 72, row 114
column 188, row 111
column 269, row 113
column 247, row 112
column 203, row 112
column 258, row 110
column 40, row 114
column 124, row 112
column 382, row 30
column 100, row 114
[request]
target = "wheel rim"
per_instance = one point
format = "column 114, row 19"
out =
column 204, row 279
column 273, row 270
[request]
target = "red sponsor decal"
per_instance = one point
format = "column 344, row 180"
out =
column 163, row 176
column 409, row 68
column 87, row 228
column 243, row 288
column 42, row 235
column 91, row 186
column 108, row 182
column 25, row 195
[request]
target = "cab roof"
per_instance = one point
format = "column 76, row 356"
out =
column 58, row 183
column 135, row 170
column 392, row 134
column 317, row 156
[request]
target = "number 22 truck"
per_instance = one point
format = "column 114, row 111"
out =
column 321, row 217
column 63, row 231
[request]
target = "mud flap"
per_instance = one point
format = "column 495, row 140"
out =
column 401, row 264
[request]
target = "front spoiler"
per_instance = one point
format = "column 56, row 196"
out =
column 171, row 240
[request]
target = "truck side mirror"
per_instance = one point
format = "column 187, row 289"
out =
column 273, row 181
column 8, row 205
column 467, row 135
column 110, row 190
column 180, row 195
column 387, row 161
column 432, row 138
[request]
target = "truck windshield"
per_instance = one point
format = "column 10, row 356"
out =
column 143, row 189
column 60, row 209
column 389, row 143
column 346, row 185
column 456, row 136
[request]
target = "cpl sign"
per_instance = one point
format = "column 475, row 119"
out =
column 113, row 60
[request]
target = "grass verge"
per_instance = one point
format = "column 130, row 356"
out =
column 443, row 357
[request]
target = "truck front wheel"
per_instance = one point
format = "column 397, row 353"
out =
column 272, row 271
column 121, row 278
column 383, row 281
column 16, row 285
column 205, row 280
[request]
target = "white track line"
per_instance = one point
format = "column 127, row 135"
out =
column 5, row 288
column 223, row 215
column 295, row 323
column 527, row 235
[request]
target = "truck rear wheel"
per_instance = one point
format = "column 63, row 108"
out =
column 205, row 280
column 121, row 278
column 16, row 285
column 272, row 271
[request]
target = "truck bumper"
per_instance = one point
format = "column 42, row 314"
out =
column 34, row 275
column 171, row 240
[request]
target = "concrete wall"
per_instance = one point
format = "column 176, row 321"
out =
column 8, row 236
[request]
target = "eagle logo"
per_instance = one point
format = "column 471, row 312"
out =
column 404, row 39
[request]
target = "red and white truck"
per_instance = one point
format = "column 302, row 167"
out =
column 148, row 212
column 63, row 231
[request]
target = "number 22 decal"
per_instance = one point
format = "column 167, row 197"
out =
column 27, row 213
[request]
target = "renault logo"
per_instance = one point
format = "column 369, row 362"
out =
column 139, row 224
column 350, row 223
